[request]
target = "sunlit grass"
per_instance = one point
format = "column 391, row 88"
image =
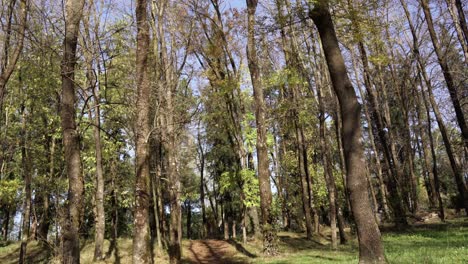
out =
column 431, row 244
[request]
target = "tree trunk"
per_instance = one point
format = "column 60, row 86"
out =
column 201, row 156
column 462, row 18
column 92, row 80
column 26, row 171
column 448, row 147
column 370, row 245
column 383, row 191
column 268, row 221
column 8, row 65
column 141, row 234
column 457, row 21
column 71, row 145
column 328, row 170
column 422, row 76
column 442, row 59
column 155, row 187
column 435, row 173
column 189, row 219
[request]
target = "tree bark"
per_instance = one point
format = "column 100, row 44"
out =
column 268, row 221
column 370, row 245
column 141, row 234
column 8, row 64
column 71, row 141
column 26, row 171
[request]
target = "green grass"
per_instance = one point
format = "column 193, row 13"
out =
column 432, row 243
column 429, row 244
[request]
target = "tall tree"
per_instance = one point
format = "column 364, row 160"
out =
column 370, row 244
column 141, row 234
column 449, row 78
column 91, row 59
column 268, row 222
column 71, row 141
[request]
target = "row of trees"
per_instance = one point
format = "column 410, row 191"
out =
column 171, row 119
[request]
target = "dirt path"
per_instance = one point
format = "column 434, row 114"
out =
column 211, row 251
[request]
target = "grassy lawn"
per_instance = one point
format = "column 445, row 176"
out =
column 432, row 243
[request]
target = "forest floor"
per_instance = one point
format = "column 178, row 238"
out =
column 421, row 243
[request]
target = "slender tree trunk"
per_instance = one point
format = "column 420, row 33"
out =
column 26, row 171
column 6, row 223
column 424, row 148
column 155, row 184
column 435, row 172
column 268, row 221
column 388, row 145
column 8, row 64
column 461, row 187
column 201, row 156
column 328, row 170
column 462, row 18
column 71, row 146
column 91, row 77
column 422, row 76
column 442, row 59
column 141, row 234
column 383, row 191
column 370, row 245
column 189, row 219
column 452, row 8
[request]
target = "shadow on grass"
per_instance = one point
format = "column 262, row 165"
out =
column 35, row 254
column 113, row 247
column 241, row 248
column 301, row 243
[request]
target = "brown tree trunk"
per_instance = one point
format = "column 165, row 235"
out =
column 424, row 148
column 92, row 80
column 328, row 170
column 71, row 145
column 141, row 234
column 462, row 191
column 462, row 18
column 268, row 221
column 458, row 21
column 435, row 173
column 44, row 215
column 442, row 59
column 422, row 76
column 26, row 171
column 378, row 165
column 201, row 156
column 370, row 245
column 8, row 64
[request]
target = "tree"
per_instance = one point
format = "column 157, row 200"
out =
column 268, row 219
column 370, row 245
column 141, row 235
column 71, row 140
column 8, row 63
column 449, row 79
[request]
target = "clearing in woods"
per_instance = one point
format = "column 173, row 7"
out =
column 421, row 243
